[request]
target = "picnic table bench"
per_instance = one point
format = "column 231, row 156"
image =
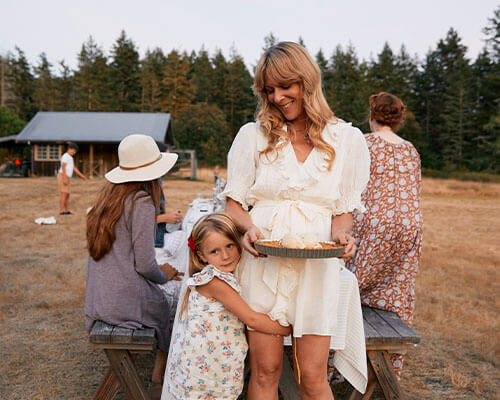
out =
column 385, row 333
column 120, row 346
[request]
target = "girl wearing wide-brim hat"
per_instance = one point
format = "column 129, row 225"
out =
column 122, row 272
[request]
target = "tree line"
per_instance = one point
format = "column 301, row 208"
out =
column 453, row 102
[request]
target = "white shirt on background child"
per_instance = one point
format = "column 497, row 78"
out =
column 66, row 158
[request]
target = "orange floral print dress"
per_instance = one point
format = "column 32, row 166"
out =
column 389, row 234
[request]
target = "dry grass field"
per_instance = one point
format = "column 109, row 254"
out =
column 45, row 352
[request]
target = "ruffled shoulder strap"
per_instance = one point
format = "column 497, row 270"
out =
column 210, row 272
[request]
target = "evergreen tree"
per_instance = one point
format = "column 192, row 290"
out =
column 202, row 127
column 492, row 32
column 269, row 41
column 5, row 91
column 382, row 72
column 322, row 62
column 177, row 89
column 445, row 104
column 430, row 89
column 125, row 70
column 153, row 66
column 10, row 123
column 486, row 77
column 405, row 72
column 240, row 102
column 44, row 94
column 457, row 130
column 220, row 72
column 92, row 79
column 202, row 75
column 22, row 84
column 345, row 86
column 64, row 89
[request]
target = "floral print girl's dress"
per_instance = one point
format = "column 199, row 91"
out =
column 208, row 351
column 389, row 234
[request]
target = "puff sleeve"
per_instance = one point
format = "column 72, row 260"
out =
column 241, row 165
column 355, row 173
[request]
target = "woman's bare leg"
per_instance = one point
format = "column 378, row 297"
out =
column 312, row 355
column 266, row 356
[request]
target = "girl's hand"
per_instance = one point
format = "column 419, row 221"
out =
column 251, row 235
column 345, row 240
column 171, row 272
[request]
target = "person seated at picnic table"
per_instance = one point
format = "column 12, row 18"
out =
column 167, row 220
column 298, row 170
column 122, row 273
column 389, row 235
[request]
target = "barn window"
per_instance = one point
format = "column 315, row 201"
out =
column 48, row 152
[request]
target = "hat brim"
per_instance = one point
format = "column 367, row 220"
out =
column 143, row 174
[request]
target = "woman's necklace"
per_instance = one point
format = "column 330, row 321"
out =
column 303, row 132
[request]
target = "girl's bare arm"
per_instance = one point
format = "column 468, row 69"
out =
column 221, row 291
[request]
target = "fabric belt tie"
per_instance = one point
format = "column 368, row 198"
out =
column 284, row 212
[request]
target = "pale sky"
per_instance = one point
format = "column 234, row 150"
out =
column 59, row 28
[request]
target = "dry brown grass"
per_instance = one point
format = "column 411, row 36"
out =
column 42, row 284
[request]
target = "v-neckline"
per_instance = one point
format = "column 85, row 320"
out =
column 295, row 154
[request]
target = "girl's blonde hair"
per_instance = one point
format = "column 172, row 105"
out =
column 216, row 222
column 287, row 63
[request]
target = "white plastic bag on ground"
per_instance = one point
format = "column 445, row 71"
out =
column 45, row 221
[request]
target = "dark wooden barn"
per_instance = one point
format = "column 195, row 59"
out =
column 96, row 133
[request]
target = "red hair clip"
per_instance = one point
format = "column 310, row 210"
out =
column 191, row 244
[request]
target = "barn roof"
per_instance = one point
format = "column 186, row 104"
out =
column 10, row 138
column 92, row 127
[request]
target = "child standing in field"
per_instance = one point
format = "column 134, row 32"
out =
column 208, row 348
column 64, row 175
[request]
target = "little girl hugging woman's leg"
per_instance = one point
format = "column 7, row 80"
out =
column 208, row 346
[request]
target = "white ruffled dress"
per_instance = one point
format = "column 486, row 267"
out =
column 315, row 296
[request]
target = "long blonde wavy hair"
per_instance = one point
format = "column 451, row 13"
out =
column 287, row 63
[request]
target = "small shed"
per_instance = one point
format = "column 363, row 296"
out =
column 96, row 133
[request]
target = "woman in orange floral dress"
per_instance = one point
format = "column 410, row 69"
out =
column 389, row 233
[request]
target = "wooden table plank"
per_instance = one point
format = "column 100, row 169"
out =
column 387, row 333
column 121, row 335
column 101, row 332
column 144, row 336
column 406, row 332
column 370, row 331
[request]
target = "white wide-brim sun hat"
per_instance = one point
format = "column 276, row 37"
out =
column 140, row 160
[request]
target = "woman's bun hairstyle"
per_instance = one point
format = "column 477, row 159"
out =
column 388, row 110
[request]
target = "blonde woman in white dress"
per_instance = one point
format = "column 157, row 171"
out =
column 297, row 170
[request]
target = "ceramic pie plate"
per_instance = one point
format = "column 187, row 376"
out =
column 274, row 248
